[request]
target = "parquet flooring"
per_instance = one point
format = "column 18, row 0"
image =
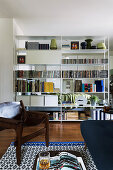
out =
column 59, row 132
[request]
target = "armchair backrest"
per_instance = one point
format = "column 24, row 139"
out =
column 12, row 110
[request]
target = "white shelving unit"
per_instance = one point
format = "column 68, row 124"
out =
column 51, row 60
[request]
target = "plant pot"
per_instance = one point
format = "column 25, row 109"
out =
column 93, row 103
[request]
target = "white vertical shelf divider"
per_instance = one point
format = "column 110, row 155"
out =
column 108, row 72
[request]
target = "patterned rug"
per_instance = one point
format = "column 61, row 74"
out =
column 30, row 149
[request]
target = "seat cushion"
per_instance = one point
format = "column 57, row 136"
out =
column 98, row 136
column 9, row 109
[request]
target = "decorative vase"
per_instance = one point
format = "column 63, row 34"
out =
column 83, row 45
column 53, row 45
column 88, row 43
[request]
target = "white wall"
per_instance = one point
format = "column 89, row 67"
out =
column 6, row 60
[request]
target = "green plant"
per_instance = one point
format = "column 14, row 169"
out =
column 94, row 98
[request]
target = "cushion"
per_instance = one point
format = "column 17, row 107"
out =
column 9, row 109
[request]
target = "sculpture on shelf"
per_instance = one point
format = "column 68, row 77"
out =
column 88, row 43
column 53, row 45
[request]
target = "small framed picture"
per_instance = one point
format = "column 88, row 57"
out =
column 21, row 59
column 74, row 45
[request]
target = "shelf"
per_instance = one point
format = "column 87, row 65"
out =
column 76, row 106
column 84, row 92
column 50, row 61
column 34, row 78
column 35, row 93
column 31, row 37
column 72, row 120
column 102, row 65
column 86, row 51
column 84, row 78
column 79, row 120
column 24, row 65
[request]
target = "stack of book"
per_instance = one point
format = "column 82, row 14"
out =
column 56, row 116
column 82, row 116
column 71, row 116
column 84, row 61
column 85, row 74
column 78, row 86
column 99, row 85
column 88, row 87
column 33, row 86
column 48, row 86
column 38, row 74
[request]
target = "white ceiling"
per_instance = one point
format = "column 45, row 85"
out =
column 61, row 17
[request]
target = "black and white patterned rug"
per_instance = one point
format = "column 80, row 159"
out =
column 30, row 149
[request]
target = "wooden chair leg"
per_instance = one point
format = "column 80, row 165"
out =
column 19, row 130
column 47, row 133
column 85, row 147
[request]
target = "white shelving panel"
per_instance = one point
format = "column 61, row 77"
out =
column 49, row 60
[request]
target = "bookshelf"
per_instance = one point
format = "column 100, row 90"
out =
column 48, row 78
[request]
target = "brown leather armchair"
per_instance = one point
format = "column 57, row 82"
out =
column 14, row 116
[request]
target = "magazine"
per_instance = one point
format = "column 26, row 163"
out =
column 65, row 161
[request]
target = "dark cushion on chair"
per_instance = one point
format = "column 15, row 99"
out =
column 98, row 136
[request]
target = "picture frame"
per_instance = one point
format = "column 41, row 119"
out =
column 74, row 45
column 21, row 59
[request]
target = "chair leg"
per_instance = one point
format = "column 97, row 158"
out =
column 19, row 130
column 47, row 133
column 85, row 147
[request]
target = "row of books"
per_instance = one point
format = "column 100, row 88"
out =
column 84, row 61
column 97, row 114
column 36, row 46
column 38, row 74
column 70, row 116
column 55, row 116
column 85, row 74
column 65, row 74
column 33, row 86
column 98, row 86
column 74, row 116
column 88, row 87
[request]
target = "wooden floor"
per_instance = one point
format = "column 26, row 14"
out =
column 59, row 132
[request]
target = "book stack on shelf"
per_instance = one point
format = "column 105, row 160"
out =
column 88, row 87
column 36, row 46
column 38, row 74
column 84, row 61
column 98, row 114
column 82, row 116
column 85, row 74
column 98, row 86
column 70, row 116
column 33, row 86
column 56, row 116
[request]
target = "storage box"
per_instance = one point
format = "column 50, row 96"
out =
column 25, row 99
column 32, row 45
column 51, row 100
column 37, row 100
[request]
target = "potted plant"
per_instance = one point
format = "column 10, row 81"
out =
column 94, row 99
